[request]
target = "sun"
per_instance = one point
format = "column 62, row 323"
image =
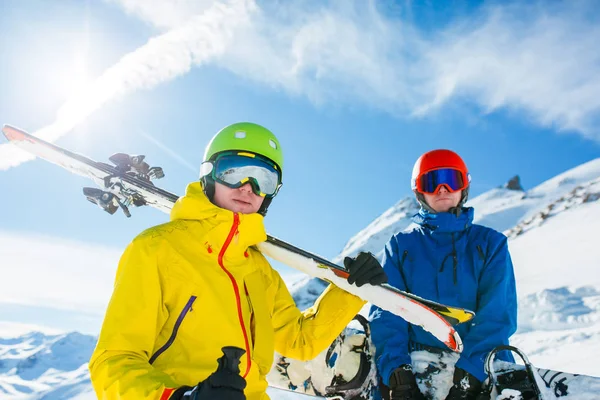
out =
column 78, row 79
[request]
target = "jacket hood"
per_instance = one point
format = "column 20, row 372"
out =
column 445, row 222
column 194, row 205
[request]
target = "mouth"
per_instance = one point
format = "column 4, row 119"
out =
column 242, row 202
column 444, row 199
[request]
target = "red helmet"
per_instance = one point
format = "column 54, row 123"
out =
column 438, row 168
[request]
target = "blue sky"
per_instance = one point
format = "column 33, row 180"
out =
column 354, row 90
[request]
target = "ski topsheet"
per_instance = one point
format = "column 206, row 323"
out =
column 122, row 186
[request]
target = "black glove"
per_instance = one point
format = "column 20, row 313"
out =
column 466, row 386
column 364, row 269
column 223, row 384
column 403, row 385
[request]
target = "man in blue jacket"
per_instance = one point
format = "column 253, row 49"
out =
column 448, row 259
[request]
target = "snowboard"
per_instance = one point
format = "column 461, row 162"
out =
column 506, row 381
column 347, row 371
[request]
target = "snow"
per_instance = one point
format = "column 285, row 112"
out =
column 374, row 237
column 36, row 365
column 568, row 252
column 305, row 290
column 552, row 239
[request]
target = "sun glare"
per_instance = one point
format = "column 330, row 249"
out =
column 78, row 80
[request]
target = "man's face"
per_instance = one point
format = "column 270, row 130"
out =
column 443, row 200
column 242, row 199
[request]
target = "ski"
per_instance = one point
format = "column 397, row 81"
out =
column 129, row 183
column 454, row 315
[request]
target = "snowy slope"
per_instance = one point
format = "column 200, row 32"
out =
column 505, row 210
column 552, row 242
column 374, row 237
column 51, row 367
column 556, row 265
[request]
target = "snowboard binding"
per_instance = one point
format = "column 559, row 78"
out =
column 348, row 369
column 506, row 382
column 362, row 384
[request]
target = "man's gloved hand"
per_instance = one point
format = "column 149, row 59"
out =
column 403, row 385
column 222, row 385
column 364, row 269
column 466, row 386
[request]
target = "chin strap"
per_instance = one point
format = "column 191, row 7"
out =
column 265, row 204
column 423, row 203
column 208, row 187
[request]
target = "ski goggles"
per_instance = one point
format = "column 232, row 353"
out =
column 235, row 169
column 430, row 182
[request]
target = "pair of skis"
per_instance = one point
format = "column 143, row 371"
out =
column 128, row 183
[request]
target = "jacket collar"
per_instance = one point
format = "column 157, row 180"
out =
column 445, row 222
column 196, row 206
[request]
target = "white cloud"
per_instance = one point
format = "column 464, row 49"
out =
column 16, row 329
column 48, row 272
column 165, row 14
column 540, row 60
column 544, row 61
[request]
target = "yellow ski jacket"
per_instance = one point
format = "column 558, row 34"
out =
column 187, row 288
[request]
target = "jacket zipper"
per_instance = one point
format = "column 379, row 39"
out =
column 238, row 299
column 182, row 315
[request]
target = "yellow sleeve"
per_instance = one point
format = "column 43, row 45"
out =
column 119, row 367
column 303, row 335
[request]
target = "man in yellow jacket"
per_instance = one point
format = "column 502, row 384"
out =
column 188, row 288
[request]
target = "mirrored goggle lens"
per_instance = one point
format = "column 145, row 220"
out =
column 235, row 171
column 452, row 178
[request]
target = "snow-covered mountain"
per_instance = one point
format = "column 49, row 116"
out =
column 554, row 248
column 42, row 366
column 374, row 237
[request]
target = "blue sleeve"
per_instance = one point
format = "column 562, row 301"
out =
column 388, row 331
column 496, row 313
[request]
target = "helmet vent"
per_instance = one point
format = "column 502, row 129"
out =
column 272, row 144
column 240, row 135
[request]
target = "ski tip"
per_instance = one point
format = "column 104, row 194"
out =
column 455, row 343
column 14, row 134
column 456, row 315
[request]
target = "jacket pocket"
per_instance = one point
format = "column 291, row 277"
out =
column 180, row 319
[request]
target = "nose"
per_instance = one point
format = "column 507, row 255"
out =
column 443, row 189
column 246, row 187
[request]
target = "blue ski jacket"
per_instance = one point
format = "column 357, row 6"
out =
column 448, row 259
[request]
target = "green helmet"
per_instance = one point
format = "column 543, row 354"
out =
column 243, row 136
column 246, row 136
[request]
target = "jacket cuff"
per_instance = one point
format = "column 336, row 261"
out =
column 391, row 365
column 476, row 370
